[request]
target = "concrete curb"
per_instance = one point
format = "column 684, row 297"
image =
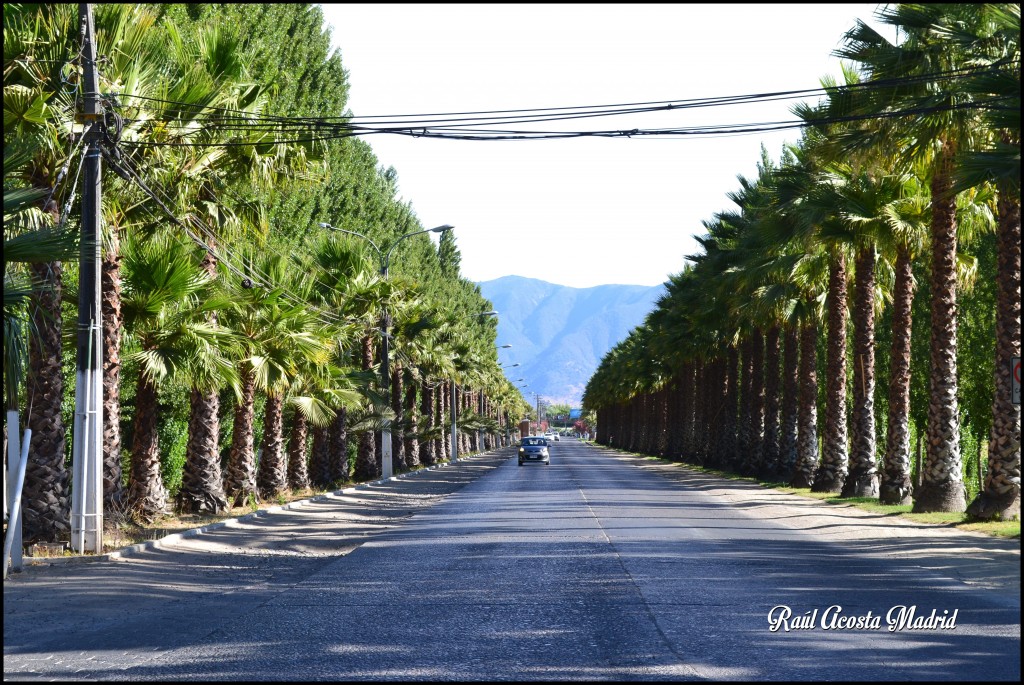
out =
column 149, row 545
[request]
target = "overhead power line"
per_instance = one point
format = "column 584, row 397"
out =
column 257, row 129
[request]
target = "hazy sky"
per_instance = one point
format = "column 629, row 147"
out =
column 590, row 211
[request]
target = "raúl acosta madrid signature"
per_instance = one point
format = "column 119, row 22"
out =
column 899, row 617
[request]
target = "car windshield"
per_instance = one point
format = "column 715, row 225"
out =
column 535, row 441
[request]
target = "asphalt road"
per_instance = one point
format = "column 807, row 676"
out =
column 598, row 567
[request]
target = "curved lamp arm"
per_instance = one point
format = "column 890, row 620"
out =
column 345, row 230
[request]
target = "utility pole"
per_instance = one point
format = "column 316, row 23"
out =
column 87, row 452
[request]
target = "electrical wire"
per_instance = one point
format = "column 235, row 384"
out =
column 67, row 164
column 654, row 105
column 127, row 171
column 464, row 125
column 66, row 212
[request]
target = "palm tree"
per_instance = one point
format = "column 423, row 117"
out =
column 204, row 69
column 262, row 314
column 411, row 320
column 806, row 190
column 805, row 470
column 28, row 241
column 36, row 107
column 998, row 162
column 147, row 70
column 166, row 311
column 867, row 200
column 350, row 283
column 290, row 341
column 907, row 228
column 918, row 70
column 433, row 361
column 202, row 489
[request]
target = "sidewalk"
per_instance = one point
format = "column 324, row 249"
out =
column 292, row 529
column 975, row 559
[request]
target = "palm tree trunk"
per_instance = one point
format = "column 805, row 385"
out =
column 718, row 395
column 942, row 485
column 701, row 453
column 428, row 454
column 240, row 479
column 807, row 413
column 442, row 443
column 688, row 391
column 674, row 418
column 366, row 454
column 1000, row 496
column 398, row 427
column 744, row 439
column 896, row 487
column 772, row 402
column 862, row 479
column 147, row 496
column 298, row 471
column 271, row 476
column 204, row 417
column 337, row 448
column 46, row 502
column 113, row 323
column 412, row 443
column 730, row 411
column 462, row 402
column 637, row 428
column 319, row 458
column 832, row 472
column 473, row 438
column 755, row 431
column 660, row 444
column 790, row 402
column 202, row 491
column 645, row 417
column 756, row 456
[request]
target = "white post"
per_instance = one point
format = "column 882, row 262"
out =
column 87, row 458
column 17, row 457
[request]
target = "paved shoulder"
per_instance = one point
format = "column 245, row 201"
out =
column 972, row 558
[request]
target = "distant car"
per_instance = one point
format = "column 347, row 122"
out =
column 534, row 448
column 557, row 438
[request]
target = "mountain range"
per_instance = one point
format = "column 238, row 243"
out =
column 559, row 334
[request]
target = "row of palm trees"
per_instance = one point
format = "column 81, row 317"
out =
column 199, row 293
column 918, row 150
column 280, row 344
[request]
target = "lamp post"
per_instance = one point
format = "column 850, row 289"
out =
column 387, row 468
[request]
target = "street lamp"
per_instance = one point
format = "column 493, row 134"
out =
column 387, row 468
